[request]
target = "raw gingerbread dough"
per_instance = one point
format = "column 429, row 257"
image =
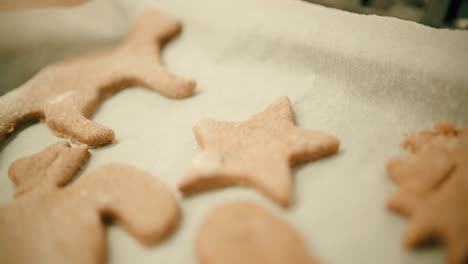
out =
column 52, row 223
column 66, row 93
column 244, row 232
column 257, row 152
column 433, row 189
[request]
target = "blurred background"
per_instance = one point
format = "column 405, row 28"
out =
column 28, row 44
column 435, row 13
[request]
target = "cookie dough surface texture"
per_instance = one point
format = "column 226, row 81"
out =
column 66, row 93
column 365, row 79
column 257, row 152
column 52, row 222
column 244, row 232
column 433, row 189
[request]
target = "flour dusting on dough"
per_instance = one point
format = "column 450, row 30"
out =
column 60, row 98
column 207, row 163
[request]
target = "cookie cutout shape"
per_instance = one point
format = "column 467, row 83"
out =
column 433, row 189
column 244, row 232
column 66, row 93
column 257, row 152
column 412, row 173
column 415, row 141
column 49, row 222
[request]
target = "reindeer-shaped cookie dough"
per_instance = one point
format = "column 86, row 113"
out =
column 54, row 221
column 66, row 93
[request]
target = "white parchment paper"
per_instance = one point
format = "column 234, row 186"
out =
column 366, row 79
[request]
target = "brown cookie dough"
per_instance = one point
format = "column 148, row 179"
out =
column 49, row 222
column 244, row 232
column 257, row 152
column 66, row 93
column 433, row 189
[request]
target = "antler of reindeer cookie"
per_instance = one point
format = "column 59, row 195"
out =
column 49, row 169
column 66, row 93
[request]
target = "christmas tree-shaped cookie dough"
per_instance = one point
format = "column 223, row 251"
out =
column 433, row 189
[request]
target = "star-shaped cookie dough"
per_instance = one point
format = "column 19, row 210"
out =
column 433, row 189
column 66, row 93
column 257, row 152
column 53, row 220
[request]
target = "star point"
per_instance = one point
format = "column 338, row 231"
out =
column 257, row 152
